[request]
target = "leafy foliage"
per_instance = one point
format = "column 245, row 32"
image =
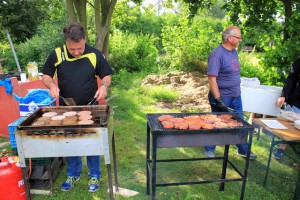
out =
column 35, row 49
column 280, row 41
column 188, row 43
column 48, row 36
column 131, row 52
column 129, row 18
column 251, row 67
column 195, row 5
column 21, row 18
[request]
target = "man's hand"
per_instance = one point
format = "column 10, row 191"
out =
column 279, row 103
column 220, row 105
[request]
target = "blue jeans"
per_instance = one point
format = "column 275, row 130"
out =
column 75, row 166
column 236, row 104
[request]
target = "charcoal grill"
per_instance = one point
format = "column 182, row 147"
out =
column 68, row 140
column 159, row 137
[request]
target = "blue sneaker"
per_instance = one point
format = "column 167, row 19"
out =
column 70, row 182
column 93, row 184
column 278, row 153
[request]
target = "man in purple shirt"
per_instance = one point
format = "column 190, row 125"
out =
column 224, row 81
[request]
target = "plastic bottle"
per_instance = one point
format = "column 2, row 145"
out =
column 33, row 72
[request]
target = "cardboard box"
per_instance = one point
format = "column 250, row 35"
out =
column 27, row 109
column 261, row 99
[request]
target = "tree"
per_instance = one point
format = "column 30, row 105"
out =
column 263, row 15
column 103, row 15
column 260, row 25
column 195, row 5
column 21, row 18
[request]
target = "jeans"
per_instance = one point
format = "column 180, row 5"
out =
column 236, row 104
column 75, row 166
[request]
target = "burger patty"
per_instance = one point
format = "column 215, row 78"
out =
column 197, row 122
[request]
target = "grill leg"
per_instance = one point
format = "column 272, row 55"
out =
column 115, row 162
column 225, row 159
column 153, row 169
column 49, row 169
column 111, row 192
column 148, row 160
column 26, row 183
column 245, row 175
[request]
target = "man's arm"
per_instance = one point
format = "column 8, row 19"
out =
column 103, row 89
column 214, row 88
column 50, row 84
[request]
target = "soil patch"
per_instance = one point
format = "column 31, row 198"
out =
column 192, row 85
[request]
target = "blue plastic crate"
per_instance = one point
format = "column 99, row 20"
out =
column 12, row 127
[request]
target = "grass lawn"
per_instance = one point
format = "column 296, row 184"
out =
column 130, row 107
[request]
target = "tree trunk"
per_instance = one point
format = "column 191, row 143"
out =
column 288, row 14
column 79, row 7
column 103, row 15
column 71, row 11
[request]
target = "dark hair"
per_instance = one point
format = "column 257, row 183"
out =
column 74, row 32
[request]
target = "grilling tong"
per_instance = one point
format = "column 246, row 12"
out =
column 94, row 100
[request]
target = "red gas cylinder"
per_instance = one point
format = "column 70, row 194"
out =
column 11, row 179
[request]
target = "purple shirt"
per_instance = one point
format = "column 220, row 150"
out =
column 225, row 66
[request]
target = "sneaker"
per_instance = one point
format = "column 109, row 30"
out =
column 93, row 184
column 70, row 182
column 252, row 155
column 278, row 153
column 209, row 154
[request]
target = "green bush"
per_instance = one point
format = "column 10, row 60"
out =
column 252, row 67
column 130, row 19
column 36, row 49
column 131, row 52
column 188, row 43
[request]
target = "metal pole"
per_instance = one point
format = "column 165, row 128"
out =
column 13, row 50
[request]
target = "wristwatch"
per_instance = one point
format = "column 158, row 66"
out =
column 106, row 87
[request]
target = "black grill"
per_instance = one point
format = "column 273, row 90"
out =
column 157, row 128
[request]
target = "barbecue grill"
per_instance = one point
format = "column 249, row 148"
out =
column 35, row 141
column 159, row 137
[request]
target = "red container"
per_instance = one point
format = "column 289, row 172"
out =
column 11, row 180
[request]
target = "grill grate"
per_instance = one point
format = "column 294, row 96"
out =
column 155, row 125
column 100, row 115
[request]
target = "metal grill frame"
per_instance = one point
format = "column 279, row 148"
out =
column 158, row 137
column 88, row 140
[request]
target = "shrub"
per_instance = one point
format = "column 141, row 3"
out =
column 131, row 52
column 36, row 49
column 188, row 43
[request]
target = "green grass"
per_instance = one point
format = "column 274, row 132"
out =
column 131, row 105
column 160, row 93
